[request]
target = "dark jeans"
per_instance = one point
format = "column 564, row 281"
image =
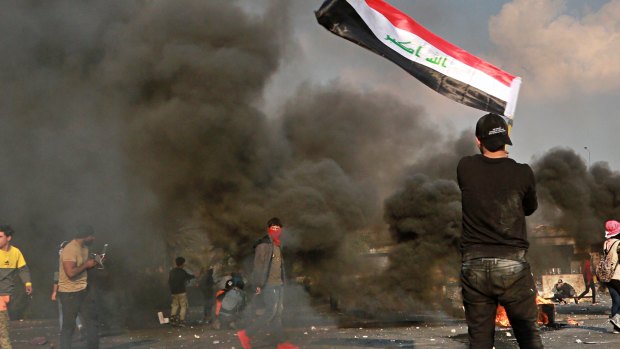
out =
column 489, row 281
column 589, row 286
column 82, row 303
column 271, row 320
column 614, row 291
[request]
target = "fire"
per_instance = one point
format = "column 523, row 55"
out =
column 501, row 318
column 543, row 316
column 541, row 300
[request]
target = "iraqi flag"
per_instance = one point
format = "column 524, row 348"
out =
column 440, row 65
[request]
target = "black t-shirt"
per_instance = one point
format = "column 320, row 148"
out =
column 496, row 196
column 177, row 280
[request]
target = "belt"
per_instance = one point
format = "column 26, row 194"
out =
column 516, row 255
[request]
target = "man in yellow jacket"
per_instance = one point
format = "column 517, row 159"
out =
column 11, row 261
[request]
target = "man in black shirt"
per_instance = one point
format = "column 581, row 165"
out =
column 497, row 194
column 177, row 281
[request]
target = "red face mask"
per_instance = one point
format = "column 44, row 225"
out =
column 275, row 231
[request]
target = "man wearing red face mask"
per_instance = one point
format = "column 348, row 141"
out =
column 268, row 278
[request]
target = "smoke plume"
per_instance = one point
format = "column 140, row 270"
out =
column 575, row 198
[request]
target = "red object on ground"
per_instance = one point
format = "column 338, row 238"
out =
column 245, row 340
column 287, row 345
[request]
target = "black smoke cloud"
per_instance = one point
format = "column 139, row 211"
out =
column 350, row 146
column 136, row 117
column 424, row 218
column 140, row 118
column 576, row 198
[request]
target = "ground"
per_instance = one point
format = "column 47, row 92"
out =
column 577, row 325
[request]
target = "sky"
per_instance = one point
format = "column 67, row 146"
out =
column 563, row 50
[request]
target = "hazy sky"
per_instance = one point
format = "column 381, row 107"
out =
column 563, row 50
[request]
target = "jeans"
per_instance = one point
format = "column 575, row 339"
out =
column 614, row 291
column 487, row 282
column 78, row 322
column 271, row 319
column 82, row 303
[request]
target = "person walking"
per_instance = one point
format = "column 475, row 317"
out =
column 177, row 281
column 268, row 279
column 74, row 292
column 496, row 193
column 588, row 280
column 13, row 263
column 611, row 247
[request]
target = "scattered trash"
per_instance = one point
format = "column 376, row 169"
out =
column 508, row 334
column 196, row 336
column 578, row 340
column 216, row 342
column 162, row 319
column 453, row 330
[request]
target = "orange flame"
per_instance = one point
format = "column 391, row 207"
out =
column 501, row 318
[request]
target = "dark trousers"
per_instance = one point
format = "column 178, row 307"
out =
column 209, row 303
column 487, row 282
column 589, row 286
column 614, row 291
column 271, row 320
column 82, row 303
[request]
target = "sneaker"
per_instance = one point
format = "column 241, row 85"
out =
column 615, row 320
column 181, row 323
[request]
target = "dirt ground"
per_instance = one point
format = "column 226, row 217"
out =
column 577, row 325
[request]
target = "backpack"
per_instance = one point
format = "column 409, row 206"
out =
column 234, row 301
column 605, row 268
